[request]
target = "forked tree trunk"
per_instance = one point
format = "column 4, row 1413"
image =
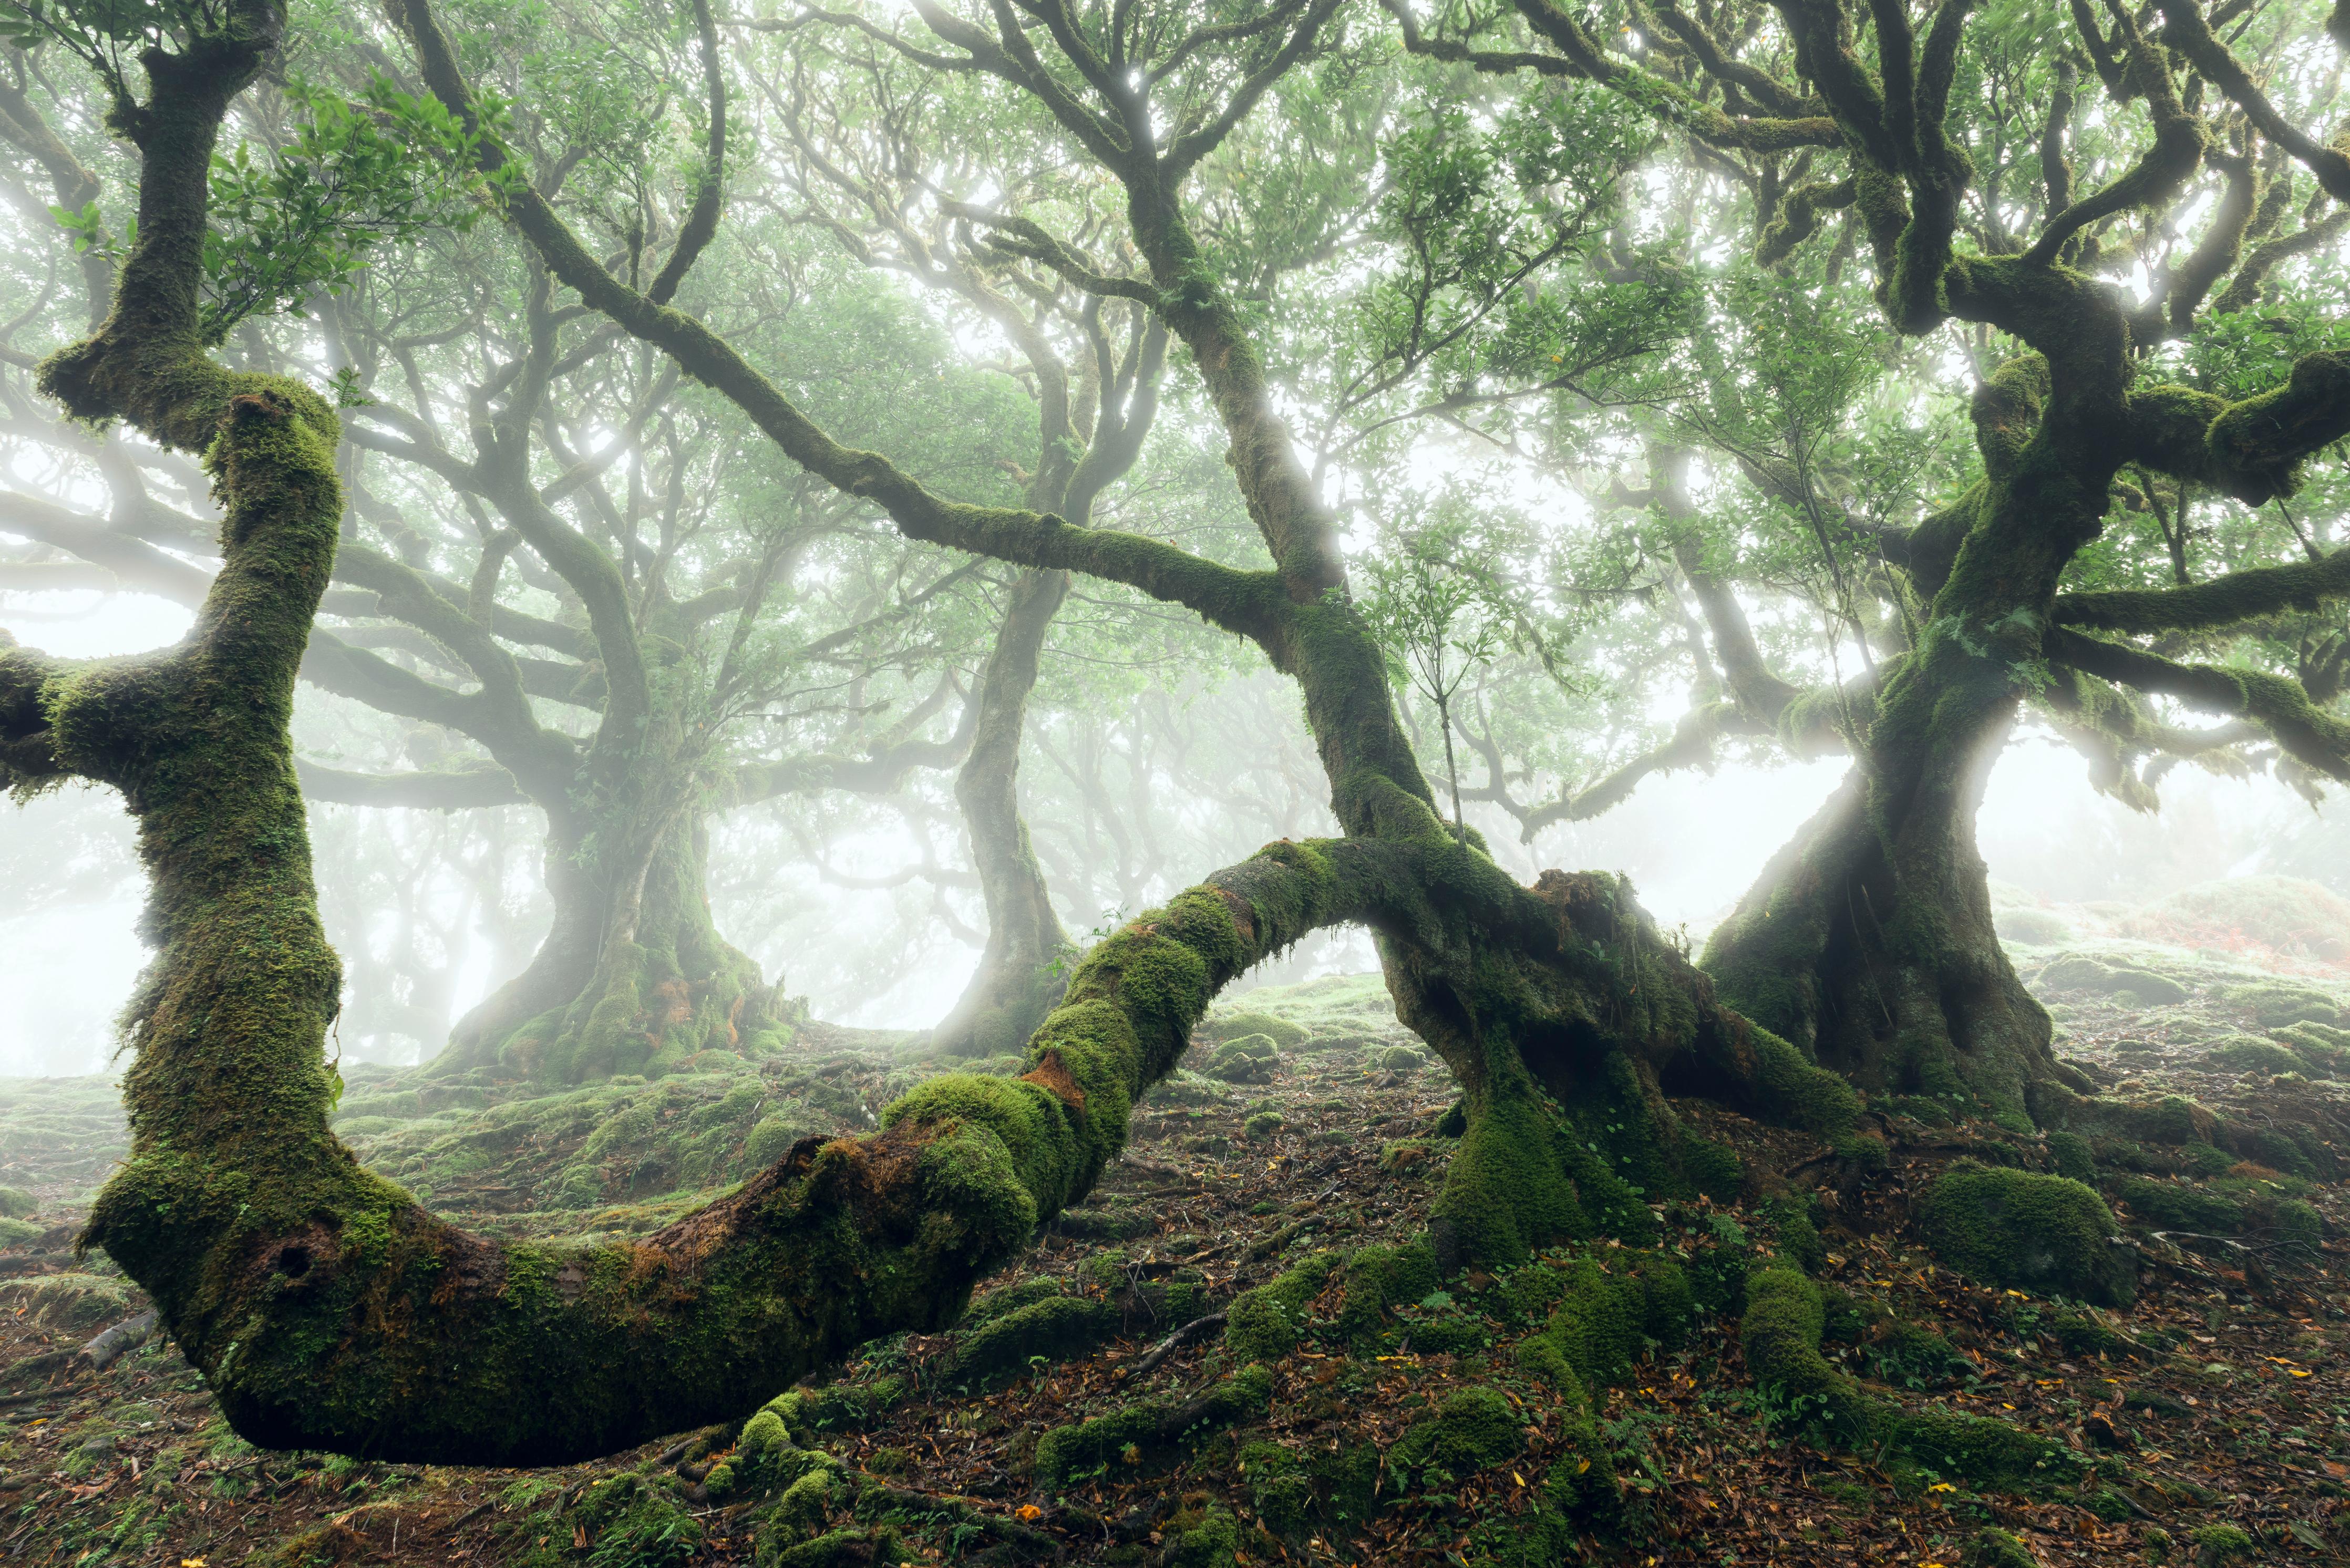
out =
column 1869, row 938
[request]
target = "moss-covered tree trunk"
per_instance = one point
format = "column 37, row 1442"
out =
column 633, row 977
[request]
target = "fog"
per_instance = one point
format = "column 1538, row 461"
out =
column 1691, row 843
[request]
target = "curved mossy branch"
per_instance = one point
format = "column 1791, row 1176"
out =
column 2187, row 30
column 2312, row 736
column 1580, row 56
column 2243, row 291
column 2252, row 450
column 2243, row 596
column 2161, row 172
column 2112, row 729
column 328, row 1310
column 700, row 226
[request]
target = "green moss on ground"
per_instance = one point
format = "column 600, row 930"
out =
column 1149, row 1430
column 1786, row 1316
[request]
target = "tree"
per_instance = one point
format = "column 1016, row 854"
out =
column 327, row 1309
column 664, row 616
column 1870, row 939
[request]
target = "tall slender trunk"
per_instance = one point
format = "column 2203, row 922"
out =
column 1023, row 971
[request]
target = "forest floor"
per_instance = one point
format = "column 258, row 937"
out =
column 2218, row 1403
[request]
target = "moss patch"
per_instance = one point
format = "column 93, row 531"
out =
column 2026, row 1231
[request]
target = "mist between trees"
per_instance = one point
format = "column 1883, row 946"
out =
column 1013, row 461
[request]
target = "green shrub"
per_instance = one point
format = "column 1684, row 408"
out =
column 2178, row 1206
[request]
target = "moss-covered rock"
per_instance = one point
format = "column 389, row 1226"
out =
column 2178, row 1206
column 2274, row 1004
column 2080, row 973
column 1148, row 1427
column 1474, row 1428
column 635, row 1521
column 2217, row 1544
column 2073, row 1156
column 1376, row 1281
column 2024, row 1230
column 16, row 1203
column 2249, row 1054
column 1330, row 1484
column 1251, row 1059
column 1222, row 1028
column 73, row 1301
column 1996, row 1548
column 1202, row 1536
column 1054, row 1328
column 1267, row 1322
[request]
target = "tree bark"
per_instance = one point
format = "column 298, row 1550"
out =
column 633, row 977
column 1021, row 972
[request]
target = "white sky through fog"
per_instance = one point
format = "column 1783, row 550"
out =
column 1691, row 843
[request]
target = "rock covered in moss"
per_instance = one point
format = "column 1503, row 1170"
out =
column 1267, row 1322
column 2275, row 1003
column 1333, row 1483
column 1994, row 1548
column 1224, row 1027
column 2073, row 1156
column 1251, row 1059
column 2178, row 1206
column 1138, row 1431
column 1055, row 1327
column 2216, row 1544
column 1476, row 1427
column 641, row 1520
column 74, row 1301
column 2078, row 971
column 2026, row 1231
column 16, row 1203
column 1202, row 1535
column 2251, row 1054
